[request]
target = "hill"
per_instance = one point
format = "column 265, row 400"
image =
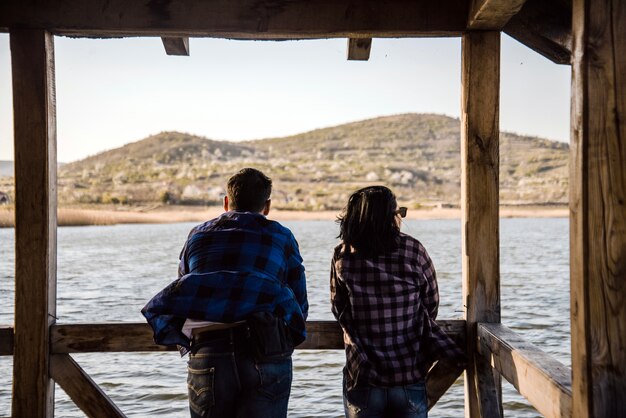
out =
column 417, row 155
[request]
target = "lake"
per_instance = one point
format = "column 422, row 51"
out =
column 107, row 273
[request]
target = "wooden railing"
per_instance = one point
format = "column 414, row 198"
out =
column 544, row 381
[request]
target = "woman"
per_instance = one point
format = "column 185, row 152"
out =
column 384, row 295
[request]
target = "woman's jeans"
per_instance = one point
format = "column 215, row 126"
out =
column 224, row 380
column 408, row 401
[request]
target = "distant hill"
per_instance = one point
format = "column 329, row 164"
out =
column 417, row 155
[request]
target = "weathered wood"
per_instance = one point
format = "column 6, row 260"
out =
column 439, row 379
column 598, row 209
column 6, row 341
column 129, row 337
column 243, row 19
column 544, row 26
column 32, row 58
column 359, row 49
column 176, row 46
column 479, row 206
column 492, row 14
column 85, row 393
column 541, row 379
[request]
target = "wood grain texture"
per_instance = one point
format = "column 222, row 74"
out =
column 85, row 393
column 544, row 26
column 129, row 337
column 242, row 19
column 6, row 341
column 439, row 379
column 32, row 58
column 598, row 209
column 480, row 75
column 492, row 14
column 359, row 49
column 541, row 379
column 176, row 46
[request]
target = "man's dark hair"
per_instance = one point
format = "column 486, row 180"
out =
column 248, row 190
column 368, row 223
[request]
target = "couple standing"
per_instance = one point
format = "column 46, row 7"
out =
column 240, row 304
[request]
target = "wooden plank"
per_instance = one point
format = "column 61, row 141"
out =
column 176, row 46
column 359, row 49
column 492, row 14
column 85, row 393
column 439, row 379
column 6, row 341
column 479, row 205
column 598, row 209
column 242, row 19
column 544, row 26
column 32, row 58
column 541, row 379
column 130, row 337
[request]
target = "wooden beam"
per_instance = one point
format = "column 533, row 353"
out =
column 6, row 341
column 130, row 337
column 492, row 14
column 479, row 206
column 32, row 58
column 439, row 379
column 176, row 46
column 359, row 49
column 85, row 393
column 544, row 26
column 541, row 379
column 240, row 19
column 598, row 209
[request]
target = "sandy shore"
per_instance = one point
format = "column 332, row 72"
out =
column 172, row 214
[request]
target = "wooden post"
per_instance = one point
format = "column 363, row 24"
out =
column 480, row 217
column 598, row 209
column 359, row 49
column 32, row 57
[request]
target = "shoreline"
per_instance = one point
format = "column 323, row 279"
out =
column 79, row 216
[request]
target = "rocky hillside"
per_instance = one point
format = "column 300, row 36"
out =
column 417, row 155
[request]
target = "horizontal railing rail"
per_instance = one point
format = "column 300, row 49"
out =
column 539, row 377
column 66, row 339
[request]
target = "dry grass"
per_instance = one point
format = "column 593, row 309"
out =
column 173, row 214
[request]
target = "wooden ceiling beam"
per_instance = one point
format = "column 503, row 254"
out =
column 239, row 19
column 546, row 27
column 359, row 49
column 176, row 46
column 492, row 14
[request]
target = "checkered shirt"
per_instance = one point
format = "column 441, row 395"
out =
column 386, row 306
column 230, row 267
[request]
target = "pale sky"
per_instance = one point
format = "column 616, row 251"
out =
column 111, row 92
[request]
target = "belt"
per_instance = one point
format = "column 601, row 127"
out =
column 236, row 334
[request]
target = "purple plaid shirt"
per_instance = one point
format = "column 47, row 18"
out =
column 387, row 307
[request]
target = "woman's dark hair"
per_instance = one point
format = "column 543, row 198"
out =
column 368, row 223
column 248, row 190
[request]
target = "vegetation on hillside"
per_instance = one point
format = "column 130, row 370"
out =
column 417, row 155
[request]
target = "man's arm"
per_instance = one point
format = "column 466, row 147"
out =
column 296, row 279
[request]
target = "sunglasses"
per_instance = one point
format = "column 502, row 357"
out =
column 401, row 211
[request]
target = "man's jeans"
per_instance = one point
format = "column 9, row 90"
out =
column 225, row 381
column 408, row 401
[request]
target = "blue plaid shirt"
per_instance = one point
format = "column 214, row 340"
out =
column 230, row 267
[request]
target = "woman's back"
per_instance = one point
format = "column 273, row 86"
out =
column 384, row 303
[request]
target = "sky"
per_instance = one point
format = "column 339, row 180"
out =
column 115, row 91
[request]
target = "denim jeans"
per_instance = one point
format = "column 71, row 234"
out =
column 408, row 401
column 224, row 380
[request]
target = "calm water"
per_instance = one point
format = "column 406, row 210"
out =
column 108, row 273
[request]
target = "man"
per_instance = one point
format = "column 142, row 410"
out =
column 239, row 306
